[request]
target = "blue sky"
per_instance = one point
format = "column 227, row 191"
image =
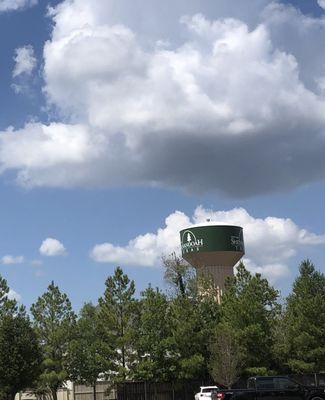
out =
column 122, row 116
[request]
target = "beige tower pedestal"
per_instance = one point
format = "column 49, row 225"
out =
column 218, row 275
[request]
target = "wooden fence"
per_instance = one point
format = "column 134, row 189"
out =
column 167, row 391
column 158, row 391
column 139, row 391
column 83, row 392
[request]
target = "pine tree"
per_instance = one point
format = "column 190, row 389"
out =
column 116, row 315
column 305, row 321
column 88, row 354
column 20, row 355
column 187, row 340
column 152, row 338
column 208, row 310
column 250, row 307
column 7, row 306
column 54, row 322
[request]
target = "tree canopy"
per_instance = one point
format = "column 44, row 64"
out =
column 164, row 337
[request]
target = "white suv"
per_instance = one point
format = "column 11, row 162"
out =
column 205, row 392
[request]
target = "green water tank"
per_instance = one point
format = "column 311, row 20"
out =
column 213, row 250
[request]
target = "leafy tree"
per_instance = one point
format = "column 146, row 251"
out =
column 250, row 307
column 304, row 322
column 208, row 310
column 280, row 345
column 153, row 332
column 20, row 355
column 54, row 322
column 226, row 355
column 116, row 313
column 179, row 274
column 165, row 328
column 88, row 355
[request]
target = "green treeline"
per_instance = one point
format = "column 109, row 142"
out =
column 164, row 337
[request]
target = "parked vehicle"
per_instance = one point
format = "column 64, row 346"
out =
column 272, row 388
column 205, row 392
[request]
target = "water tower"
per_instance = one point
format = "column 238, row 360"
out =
column 213, row 250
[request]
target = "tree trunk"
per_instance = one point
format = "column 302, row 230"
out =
column 181, row 284
column 94, row 391
column 12, row 395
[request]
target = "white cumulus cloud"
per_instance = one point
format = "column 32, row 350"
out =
column 60, row 146
column 25, row 61
column 269, row 242
column 227, row 102
column 52, row 247
column 321, row 3
column 9, row 259
column 13, row 5
column 145, row 250
column 12, row 295
column 273, row 272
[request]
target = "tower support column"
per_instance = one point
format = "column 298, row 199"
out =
column 218, row 274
